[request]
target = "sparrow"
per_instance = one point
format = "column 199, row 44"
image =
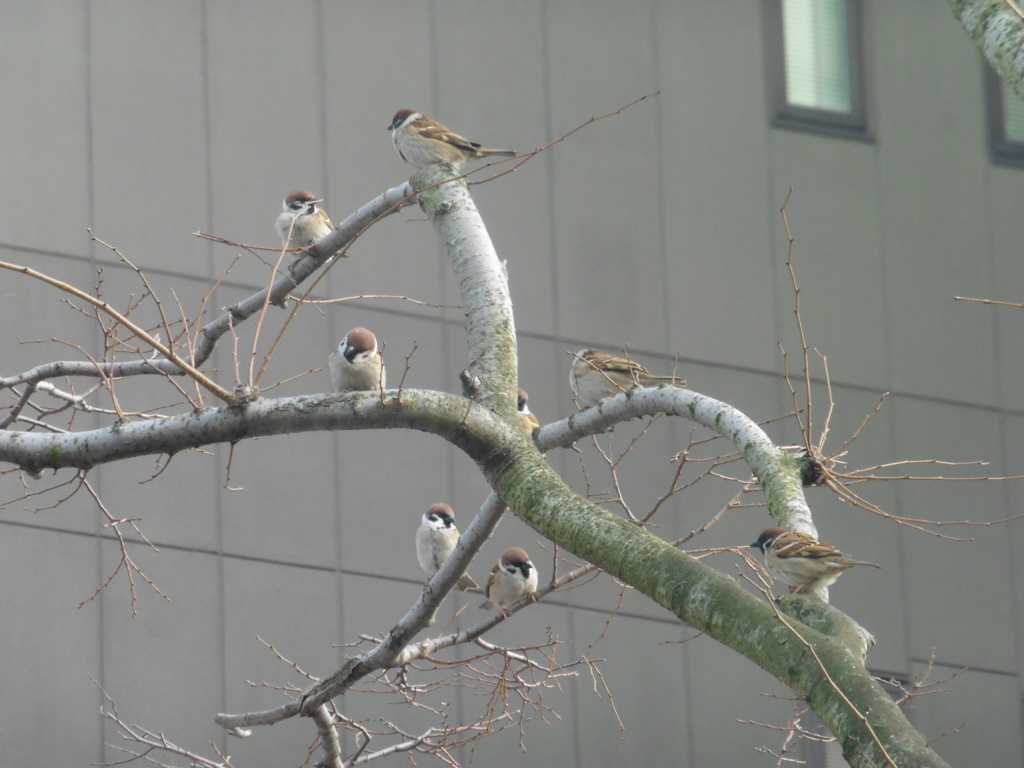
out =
column 301, row 223
column 526, row 419
column 595, row 376
column 357, row 365
column 422, row 141
column 435, row 539
column 511, row 577
column 802, row 561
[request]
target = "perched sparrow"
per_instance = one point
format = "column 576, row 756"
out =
column 512, row 577
column 301, row 223
column 357, row 364
column 595, row 376
column 526, row 419
column 802, row 561
column 422, row 141
column 435, row 539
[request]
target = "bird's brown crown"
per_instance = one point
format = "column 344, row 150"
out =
column 360, row 338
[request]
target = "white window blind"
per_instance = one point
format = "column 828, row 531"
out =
column 1013, row 115
column 816, row 38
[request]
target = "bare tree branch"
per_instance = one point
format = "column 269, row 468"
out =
column 210, row 334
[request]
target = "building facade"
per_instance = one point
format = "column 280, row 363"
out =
column 658, row 228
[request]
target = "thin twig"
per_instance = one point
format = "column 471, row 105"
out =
column 103, row 306
column 991, row 301
column 825, row 673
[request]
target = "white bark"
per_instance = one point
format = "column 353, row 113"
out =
column 483, row 284
column 774, row 468
column 440, row 413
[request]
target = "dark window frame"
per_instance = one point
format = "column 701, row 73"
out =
column 1004, row 151
column 851, row 125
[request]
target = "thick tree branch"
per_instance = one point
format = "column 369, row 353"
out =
column 716, row 604
column 861, row 714
column 696, row 593
column 328, row 738
column 777, row 470
column 469, row 426
column 829, row 621
column 483, row 283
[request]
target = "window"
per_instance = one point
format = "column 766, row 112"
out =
column 815, row 68
column 1005, row 120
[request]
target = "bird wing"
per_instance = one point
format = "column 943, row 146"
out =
column 440, row 133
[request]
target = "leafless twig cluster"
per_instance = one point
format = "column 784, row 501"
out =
column 507, row 685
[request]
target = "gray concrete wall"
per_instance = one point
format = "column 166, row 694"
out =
column 658, row 228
